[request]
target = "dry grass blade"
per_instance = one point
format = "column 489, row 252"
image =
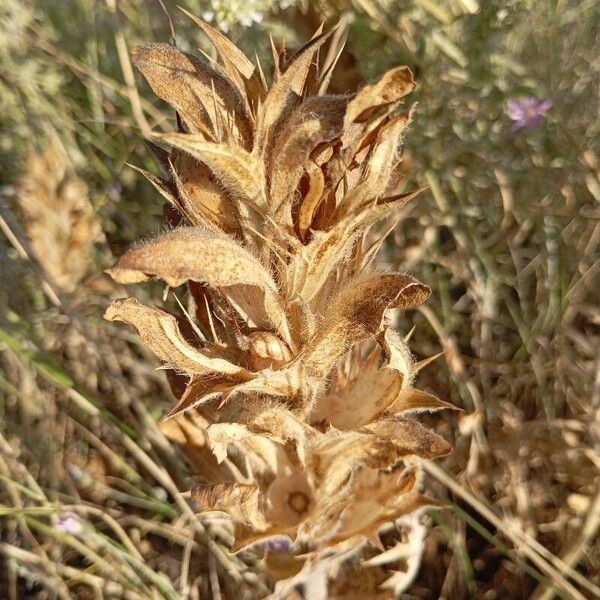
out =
column 521, row 541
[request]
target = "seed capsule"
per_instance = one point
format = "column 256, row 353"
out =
column 267, row 351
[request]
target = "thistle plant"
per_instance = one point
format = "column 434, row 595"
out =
column 284, row 363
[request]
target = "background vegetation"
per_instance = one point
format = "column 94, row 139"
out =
column 507, row 235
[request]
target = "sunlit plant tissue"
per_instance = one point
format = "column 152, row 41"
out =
column 283, row 362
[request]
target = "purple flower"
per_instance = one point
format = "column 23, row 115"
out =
column 67, row 522
column 279, row 545
column 527, row 112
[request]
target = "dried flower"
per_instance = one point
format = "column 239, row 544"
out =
column 528, row 112
column 67, row 522
column 59, row 218
column 285, row 370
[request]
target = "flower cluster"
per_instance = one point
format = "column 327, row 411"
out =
column 286, row 370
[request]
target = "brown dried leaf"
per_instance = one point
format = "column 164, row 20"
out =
column 202, row 95
column 413, row 401
column 195, row 254
column 257, row 393
column 202, row 389
column 287, row 90
column 202, row 199
column 228, row 51
column 360, row 401
column 410, row 437
column 159, row 332
column 242, row 501
column 236, row 170
column 236, row 65
column 392, row 87
column 191, row 253
column 356, row 313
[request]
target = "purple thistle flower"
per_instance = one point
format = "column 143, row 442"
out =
column 527, row 112
column 67, row 522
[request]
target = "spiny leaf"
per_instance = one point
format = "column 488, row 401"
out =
column 314, row 263
column 413, row 400
column 286, row 90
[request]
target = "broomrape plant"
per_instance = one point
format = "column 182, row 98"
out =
column 284, row 365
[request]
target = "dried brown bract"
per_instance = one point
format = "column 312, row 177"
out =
column 304, row 393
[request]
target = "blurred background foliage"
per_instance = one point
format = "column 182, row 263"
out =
column 506, row 234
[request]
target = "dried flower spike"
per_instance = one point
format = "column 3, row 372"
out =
column 59, row 218
column 283, row 364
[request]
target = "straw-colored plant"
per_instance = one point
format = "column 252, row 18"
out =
column 284, row 362
column 59, row 219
